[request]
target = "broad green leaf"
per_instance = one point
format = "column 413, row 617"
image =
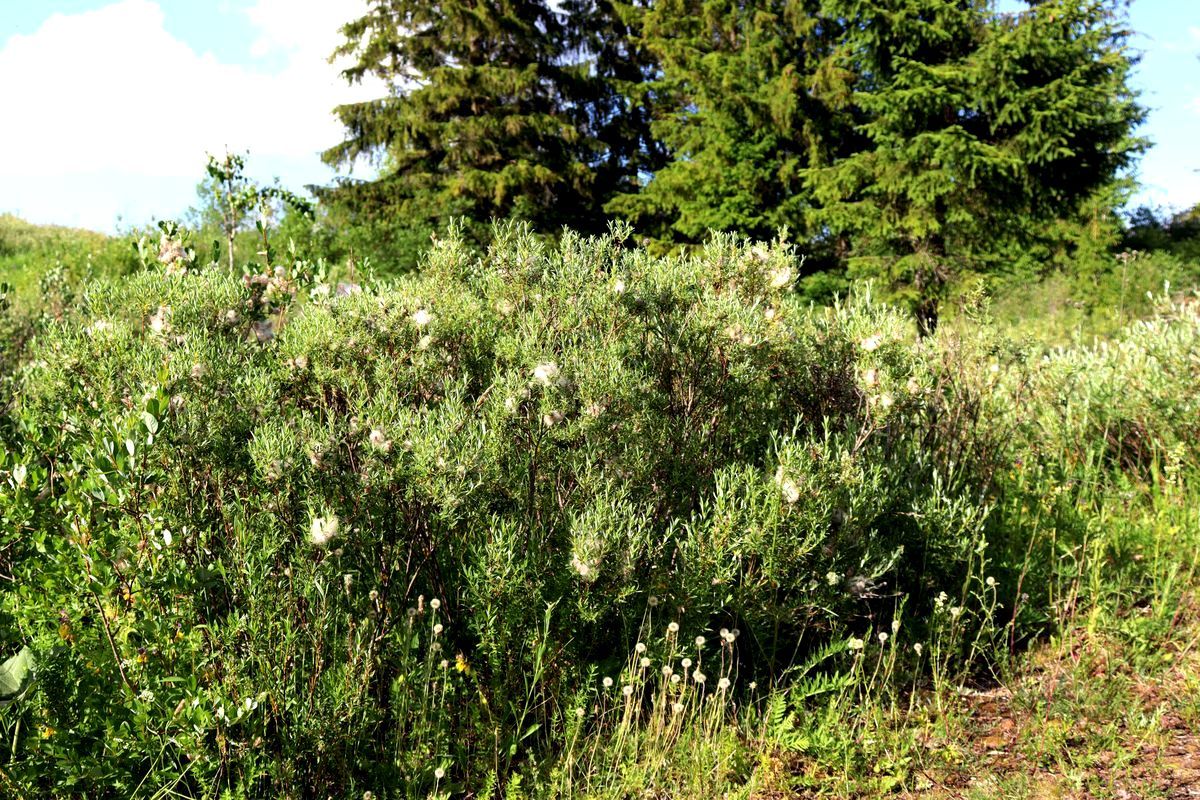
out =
column 15, row 676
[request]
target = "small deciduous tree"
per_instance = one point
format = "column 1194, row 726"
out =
column 229, row 200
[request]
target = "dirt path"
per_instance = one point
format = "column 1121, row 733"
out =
column 1078, row 724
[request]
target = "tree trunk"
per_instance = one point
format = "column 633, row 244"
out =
column 927, row 316
column 930, row 281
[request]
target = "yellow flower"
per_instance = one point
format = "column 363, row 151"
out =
column 461, row 665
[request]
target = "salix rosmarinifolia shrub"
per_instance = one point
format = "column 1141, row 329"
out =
column 284, row 536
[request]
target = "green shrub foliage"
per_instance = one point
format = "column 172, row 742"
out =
column 277, row 537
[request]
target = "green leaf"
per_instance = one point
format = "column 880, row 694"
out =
column 15, row 676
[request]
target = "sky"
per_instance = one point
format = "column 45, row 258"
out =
column 110, row 106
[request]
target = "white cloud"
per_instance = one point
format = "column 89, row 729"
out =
column 307, row 27
column 110, row 91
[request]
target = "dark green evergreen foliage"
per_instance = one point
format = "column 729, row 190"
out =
column 1053, row 81
column 615, row 94
column 737, row 109
column 1177, row 233
column 983, row 129
column 908, row 140
column 489, row 116
column 911, row 81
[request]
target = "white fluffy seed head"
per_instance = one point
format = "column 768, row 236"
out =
column 323, row 529
column 379, row 440
column 546, row 373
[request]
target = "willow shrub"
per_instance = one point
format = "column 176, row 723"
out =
column 281, row 538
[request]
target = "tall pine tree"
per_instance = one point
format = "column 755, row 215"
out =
column 479, row 122
column 981, row 129
column 736, row 105
column 614, row 91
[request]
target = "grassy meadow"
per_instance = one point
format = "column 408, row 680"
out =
column 575, row 519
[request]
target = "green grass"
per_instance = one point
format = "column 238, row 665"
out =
column 1096, row 302
column 29, row 252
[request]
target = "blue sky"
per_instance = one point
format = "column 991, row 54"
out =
column 1168, row 36
column 111, row 105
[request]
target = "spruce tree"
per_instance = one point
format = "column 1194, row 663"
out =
column 735, row 105
column 478, row 122
column 614, row 91
column 981, row 130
